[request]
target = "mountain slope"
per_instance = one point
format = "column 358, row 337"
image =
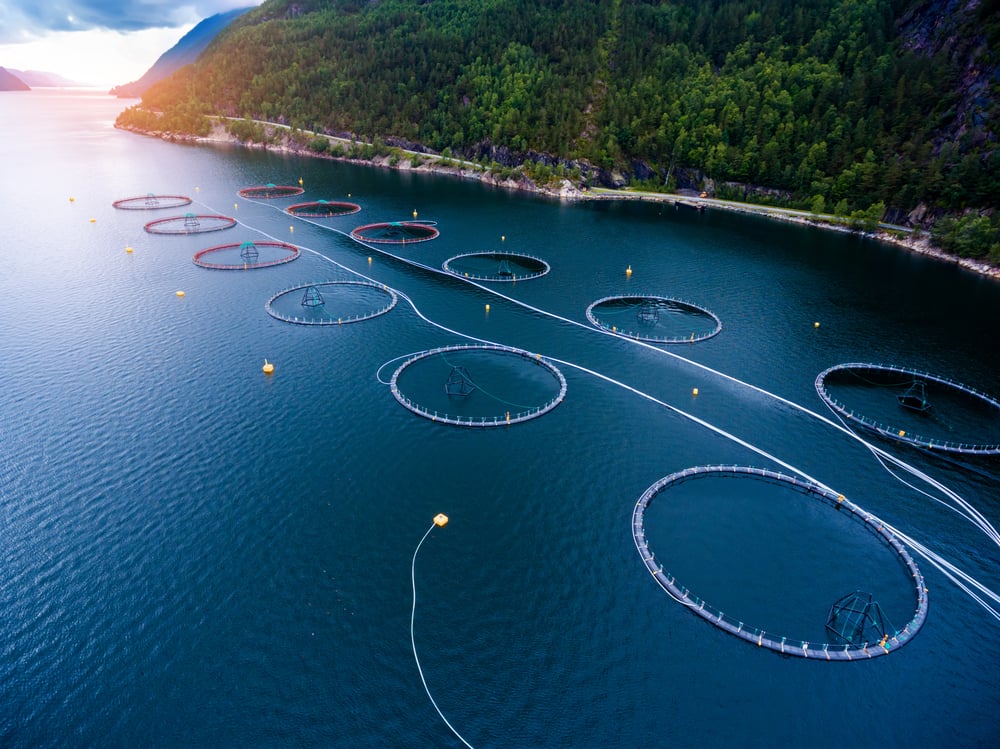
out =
column 41, row 78
column 10, row 82
column 183, row 53
column 829, row 103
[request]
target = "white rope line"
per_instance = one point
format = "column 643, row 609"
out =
column 413, row 641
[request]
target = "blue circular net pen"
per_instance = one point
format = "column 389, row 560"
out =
column 496, row 266
column 327, row 303
column 918, row 408
column 856, row 627
column 654, row 319
column 478, row 386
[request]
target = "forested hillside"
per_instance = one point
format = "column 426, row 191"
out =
column 829, row 104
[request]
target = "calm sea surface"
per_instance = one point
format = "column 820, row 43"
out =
column 195, row 554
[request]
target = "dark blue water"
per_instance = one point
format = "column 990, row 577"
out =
column 196, row 554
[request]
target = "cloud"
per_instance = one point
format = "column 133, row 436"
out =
column 28, row 20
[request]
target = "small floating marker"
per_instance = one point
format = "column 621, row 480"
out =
column 440, row 520
column 179, row 292
column 268, row 368
column 348, row 194
column 503, row 237
column 300, row 181
column 628, row 271
column 93, row 220
column 414, row 213
column 487, row 308
column 71, row 200
column 369, row 260
column 694, row 391
column 902, row 433
column 840, row 498
column 291, row 229
column 236, row 206
column 197, row 189
column 815, row 324
column 128, row 250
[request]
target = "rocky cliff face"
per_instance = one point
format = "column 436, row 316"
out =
column 966, row 32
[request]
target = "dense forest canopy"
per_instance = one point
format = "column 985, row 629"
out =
column 833, row 103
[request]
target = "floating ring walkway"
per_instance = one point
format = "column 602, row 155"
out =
column 190, row 224
column 322, row 209
column 396, row 232
column 648, row 309
column 509, row 417
column 898, row 433
column 270, row 191
column 820, row 651
column 247, row 256
column 506, row 266
column 313, row 304
column 151, row 202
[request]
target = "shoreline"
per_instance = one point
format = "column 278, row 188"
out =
column 920, row 244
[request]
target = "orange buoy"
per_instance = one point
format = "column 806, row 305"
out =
column 268, row 368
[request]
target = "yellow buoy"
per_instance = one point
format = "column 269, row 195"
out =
column 369, row 260
column 93, row 220
column 291, row 229
column 128, row 250
column 902, row 433
column 440, row 520
column 487, row 308
column 179, row 292
column 503, row 237
column 268, row 367
column 300, row 181
column 694, row 391
column 628, row 271
column 236, row 206
column 414, row 213
column 815, row 324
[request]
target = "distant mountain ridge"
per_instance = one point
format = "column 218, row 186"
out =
column 183, row 53
column 11, row 82
column 42, row 79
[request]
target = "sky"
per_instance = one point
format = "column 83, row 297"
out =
column 100, row 43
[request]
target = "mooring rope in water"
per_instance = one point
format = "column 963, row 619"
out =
column 413, row 641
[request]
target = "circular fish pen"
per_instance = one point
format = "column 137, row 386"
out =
column 246, row 255
column 496, row 266
column 655, row 319
column 322, row 209
column 151, row 202
column 190, row 223
column 478, row 386
column 270, row 191
column 860, row 630
column 396, row 232
column 331, row 303
column 917, row 408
